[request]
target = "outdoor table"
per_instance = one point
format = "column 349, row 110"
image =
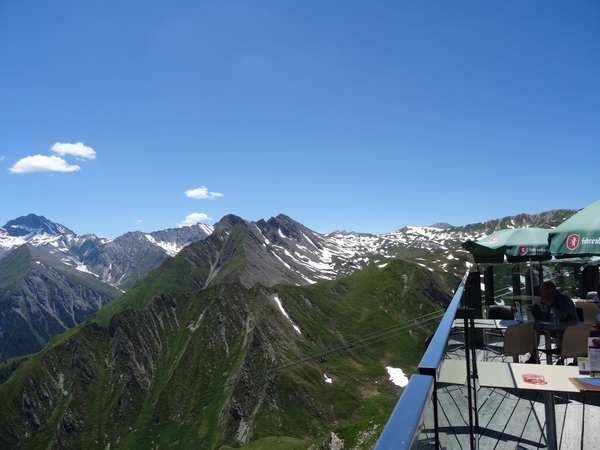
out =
column 486, row 323
column 510, row 376
column 549, row 403
column 545, row 327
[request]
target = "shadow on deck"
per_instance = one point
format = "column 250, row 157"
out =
column 511, row 419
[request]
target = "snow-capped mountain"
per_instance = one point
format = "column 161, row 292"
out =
column 308, row 256
column 52, row 279
column 119, row 262
column 317, row 257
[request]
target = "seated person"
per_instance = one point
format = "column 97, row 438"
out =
column 563, row 307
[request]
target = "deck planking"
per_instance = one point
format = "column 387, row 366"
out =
column 515, row 419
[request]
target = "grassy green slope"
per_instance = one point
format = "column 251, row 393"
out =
column 13, row 268
column 373, row 310
column 194, row 369
column 189, row 270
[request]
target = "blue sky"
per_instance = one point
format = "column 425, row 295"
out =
column 364, row 116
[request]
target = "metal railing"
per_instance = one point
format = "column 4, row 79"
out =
column 404, row 429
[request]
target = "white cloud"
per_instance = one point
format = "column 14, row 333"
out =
column 79, row 150
column 39, row 163
column 139, row 221
column 201, row 193
column 193, row 219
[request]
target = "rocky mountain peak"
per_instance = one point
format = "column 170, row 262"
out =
column 288, row 227
column 228, row 222
column 441, row 225
column 34, row 224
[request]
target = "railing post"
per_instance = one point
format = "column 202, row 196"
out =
column 488, row 281
column 472, row 300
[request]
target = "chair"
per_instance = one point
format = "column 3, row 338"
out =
column 574, row 342
column 500, row 312
column 496, row 335
column 591, row 294
column 590, row 311
column 579, row 312
column 519, row 340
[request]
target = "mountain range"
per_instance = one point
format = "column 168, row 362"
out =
column 231, row 340
column 58, row 278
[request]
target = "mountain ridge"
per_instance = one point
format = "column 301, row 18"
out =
column 273, row 251
column 259, row 329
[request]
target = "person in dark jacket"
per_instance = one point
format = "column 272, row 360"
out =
column 562, row 306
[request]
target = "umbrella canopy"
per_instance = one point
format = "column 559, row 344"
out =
column 517, row 244
column 579, row 235
column 576, row 261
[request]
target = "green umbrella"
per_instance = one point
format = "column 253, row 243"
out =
column 517, row 244
column 579, row 235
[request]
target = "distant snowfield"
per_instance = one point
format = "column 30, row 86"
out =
column 170, row 247
column 78, row 265
column 397, row 376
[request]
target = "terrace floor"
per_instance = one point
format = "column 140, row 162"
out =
column 511, row 419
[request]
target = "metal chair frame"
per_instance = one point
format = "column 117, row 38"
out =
column 574, row 342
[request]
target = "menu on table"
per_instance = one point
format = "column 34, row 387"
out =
column 590, row 365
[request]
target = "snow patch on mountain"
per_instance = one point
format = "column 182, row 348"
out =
column 278, row 301
column 319, row 257
column 170, row 247
column 78, row 265
column 397, row 376
column 120, row 261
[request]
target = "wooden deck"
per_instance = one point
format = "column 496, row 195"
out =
column 512, row 419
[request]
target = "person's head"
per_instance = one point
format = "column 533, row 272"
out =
column 548, row 292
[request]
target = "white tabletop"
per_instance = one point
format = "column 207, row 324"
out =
column 510, row 375
column 503, row 323
column 485, row 323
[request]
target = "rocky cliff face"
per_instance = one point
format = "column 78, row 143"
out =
column 42, row 301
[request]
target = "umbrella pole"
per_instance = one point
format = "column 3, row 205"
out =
column 531, row 279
